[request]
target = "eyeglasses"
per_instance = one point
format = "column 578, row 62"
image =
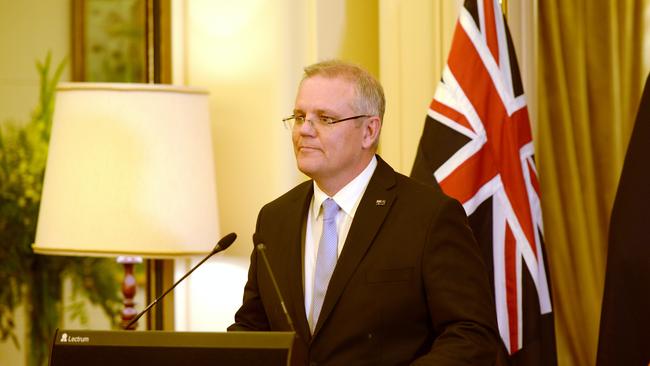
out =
column 324, row 121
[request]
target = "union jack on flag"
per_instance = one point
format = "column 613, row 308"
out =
column 477, row 144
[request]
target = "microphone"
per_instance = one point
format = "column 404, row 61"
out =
column 261, row 248
column 222, row 245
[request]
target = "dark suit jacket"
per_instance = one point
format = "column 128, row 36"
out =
column 409, row 286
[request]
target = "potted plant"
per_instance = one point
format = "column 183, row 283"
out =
column 28, row 278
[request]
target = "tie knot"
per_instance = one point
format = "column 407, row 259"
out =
column 330, row 209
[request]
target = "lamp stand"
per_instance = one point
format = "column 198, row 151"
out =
column 129, row 286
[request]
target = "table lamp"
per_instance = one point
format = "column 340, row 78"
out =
column 130, row 173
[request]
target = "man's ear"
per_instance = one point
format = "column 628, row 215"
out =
column 371, row 129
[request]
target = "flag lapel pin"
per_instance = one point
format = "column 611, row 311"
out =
column 380, row 202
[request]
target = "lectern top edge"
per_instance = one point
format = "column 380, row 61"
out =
column 260, row 340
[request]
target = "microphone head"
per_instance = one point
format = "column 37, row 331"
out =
column 257, row 239
column 225, row 242
column 258, row 242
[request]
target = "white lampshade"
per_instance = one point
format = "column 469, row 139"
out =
column 130, row 171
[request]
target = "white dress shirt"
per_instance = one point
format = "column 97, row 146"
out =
column 348, row 199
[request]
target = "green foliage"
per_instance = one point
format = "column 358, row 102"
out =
column 25, row 277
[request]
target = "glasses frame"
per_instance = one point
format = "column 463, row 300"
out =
column 289, row 125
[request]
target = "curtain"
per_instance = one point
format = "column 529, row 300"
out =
column 591, row 73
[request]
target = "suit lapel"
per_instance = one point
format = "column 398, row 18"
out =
column 296, row 217
column 371, row 212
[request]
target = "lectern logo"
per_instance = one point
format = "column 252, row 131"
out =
column 77, row 339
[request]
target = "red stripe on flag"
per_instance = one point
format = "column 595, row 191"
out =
column 463, row 183
column 510, row 253
column 522, row 126
column 514, row 184
column 533, row 179
column 450, row 113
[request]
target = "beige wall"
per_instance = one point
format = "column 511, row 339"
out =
column 28, row 29
column 415, row 37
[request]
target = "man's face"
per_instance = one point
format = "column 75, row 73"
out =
column 331, row 154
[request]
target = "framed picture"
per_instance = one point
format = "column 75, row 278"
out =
column 109, row 40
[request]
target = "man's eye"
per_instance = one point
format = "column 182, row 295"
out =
column 299, row 119
column 326, row 119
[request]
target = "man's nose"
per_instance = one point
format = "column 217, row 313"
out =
column 307, row 128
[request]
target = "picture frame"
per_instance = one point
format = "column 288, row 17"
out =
column 109, row 40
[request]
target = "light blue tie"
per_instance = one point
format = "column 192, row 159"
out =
column 326, row 258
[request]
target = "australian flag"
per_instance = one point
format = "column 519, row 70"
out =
column 477, row 144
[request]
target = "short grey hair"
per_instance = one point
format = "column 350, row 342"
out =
column 369, row 92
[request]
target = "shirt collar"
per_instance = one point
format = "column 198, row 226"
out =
column 348, row 197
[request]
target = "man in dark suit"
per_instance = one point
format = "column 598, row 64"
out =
column 376, row 268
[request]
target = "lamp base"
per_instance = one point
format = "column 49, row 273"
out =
column 129, row 286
